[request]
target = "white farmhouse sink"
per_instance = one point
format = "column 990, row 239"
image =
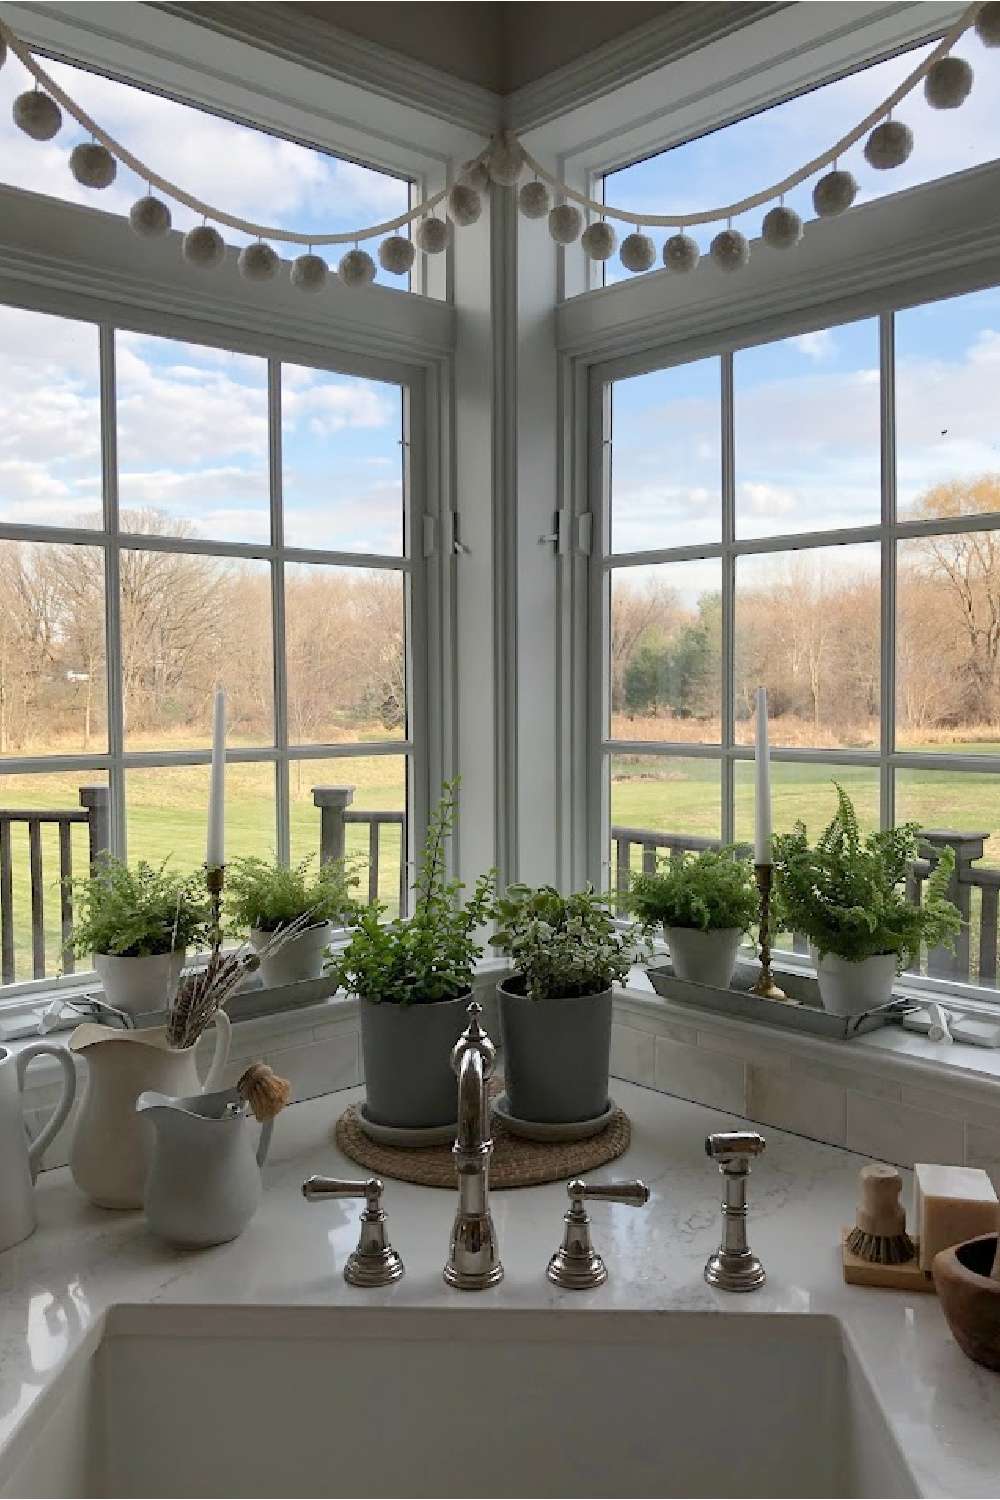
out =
column 475, row 1401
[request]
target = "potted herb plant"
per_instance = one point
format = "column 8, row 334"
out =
column 138, row 923
column 847, row 895
column 264, row 897
column 705, row 901
column 555, row 1010
column 413, row 979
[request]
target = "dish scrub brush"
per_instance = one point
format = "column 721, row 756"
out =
column 264, row 1091
column 880, row 1233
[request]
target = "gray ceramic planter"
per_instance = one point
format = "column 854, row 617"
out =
column 407, row 1059
column 557, row 1055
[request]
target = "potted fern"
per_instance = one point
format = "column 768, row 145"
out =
column 705, row 903
column 847, row 895
column 413, row 980
column 263, row 898
column 555, row 1010
column 138, row 923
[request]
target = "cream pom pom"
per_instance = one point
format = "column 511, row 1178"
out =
column 730, row 250
column 464, row 205
column 681, row 253
column 834, row 194
column 987, row 24
column 888, row 145
column 474, row 174
column 599, row 241
column 948, row 83
column 92, row 165
column 149, row 217
column 638, row 252
column 533, row 200
column 258, row 262
column 506, row 159
column 432, row 235
column 309, row 272
column 782, row 228
column 203, row 247
column 396, row 255
column 565, row 223
column 356, row 268
column 37, row 115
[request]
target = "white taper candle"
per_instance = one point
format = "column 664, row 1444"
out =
column 216, row 855
column 762, row 768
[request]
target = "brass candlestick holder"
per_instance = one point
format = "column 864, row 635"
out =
column 215, row 879
column 765, row 986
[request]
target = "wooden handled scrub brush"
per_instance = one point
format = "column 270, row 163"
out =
column 878, row 1251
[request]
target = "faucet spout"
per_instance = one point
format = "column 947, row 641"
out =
column 472, row 1058
column 474, row 1259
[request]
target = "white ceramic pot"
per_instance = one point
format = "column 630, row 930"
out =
column 300, row 958
column 704, row 957
column 849, row 988
column 140, row 986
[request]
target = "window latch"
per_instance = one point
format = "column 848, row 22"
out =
column 558, row 536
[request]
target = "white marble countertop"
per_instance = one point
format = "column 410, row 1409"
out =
column 944, row 1410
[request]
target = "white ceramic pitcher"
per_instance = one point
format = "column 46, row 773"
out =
column 19, row 1161
column 112, row 1145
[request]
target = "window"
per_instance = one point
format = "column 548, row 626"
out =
column 820, row 514
column 173, row 516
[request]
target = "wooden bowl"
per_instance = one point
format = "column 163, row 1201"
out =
column 970, row 1298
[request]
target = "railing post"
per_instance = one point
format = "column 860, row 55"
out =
column 97, row 801
column 968, row 848
column 332, row 802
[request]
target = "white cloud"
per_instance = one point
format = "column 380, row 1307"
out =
column 770, row 500
column 818, row 345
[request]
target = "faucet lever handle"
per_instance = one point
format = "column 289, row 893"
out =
column 576, row 1265
column 374, row 1262
column 634, row 1193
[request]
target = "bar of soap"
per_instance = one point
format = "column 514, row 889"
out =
column 951, row 1204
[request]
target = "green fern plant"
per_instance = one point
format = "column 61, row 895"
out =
column 847, row 893
column 712, row 890
column 137, row 912
column 269, row 895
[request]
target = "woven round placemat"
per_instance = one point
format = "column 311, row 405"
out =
column 515, row 1162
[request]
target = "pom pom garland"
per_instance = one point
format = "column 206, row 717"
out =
column 729, row 250
column 203, row 247
column 948, row 83
column 396, row 255
column 474, row 175
column 599, row 241
column 506, row 159
column 565, row 223
column 356, row 268
column 987, row 24
column 889, row 145
column 149, row 217
column 432, row 235
column 37, row 115
column 464, row 205
column 781, row 229
column 92, row 165
column 534, row 200
column 258, row 262
column 681, row 253
column 309, row 273
column 638, row 253
column 834, row 194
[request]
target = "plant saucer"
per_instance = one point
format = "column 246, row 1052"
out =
column 540, row 1130
column 404, row 1135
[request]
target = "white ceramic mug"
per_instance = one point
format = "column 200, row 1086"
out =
column 19, row 1160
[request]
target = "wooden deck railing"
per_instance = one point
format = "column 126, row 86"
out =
column 335, row 817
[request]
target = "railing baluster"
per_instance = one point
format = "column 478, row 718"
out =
column 37, row 898
column 649, row 859
column 403, row 889
column 988, row 936
column 373, row 828
column 65, row 894
column 624, row 846
column 7, row 962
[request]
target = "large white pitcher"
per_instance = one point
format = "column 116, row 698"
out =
column 113, row 1146
column 19, row 1161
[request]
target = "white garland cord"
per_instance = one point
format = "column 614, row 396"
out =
column 606, row 211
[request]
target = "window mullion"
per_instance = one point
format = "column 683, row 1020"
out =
column 887, row 785
column 114, row 694
column 728, row 715
column 282, row 833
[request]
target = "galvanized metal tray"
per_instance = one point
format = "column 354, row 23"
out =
column 802, row 1011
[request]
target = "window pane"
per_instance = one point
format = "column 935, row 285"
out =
column 807, row 628
column 378, row 785
column 23, row 958
column 666, row 652
column 806, row 792
column 345, row 636
column 342, row 462
column 192, row 440
column 53, row 698
column 50, row 445
column 666, row 472
column 947, row 649
column 796, row 469
column 190, row 623
column 947, row 422
column 667, row 798
column 167, row 813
